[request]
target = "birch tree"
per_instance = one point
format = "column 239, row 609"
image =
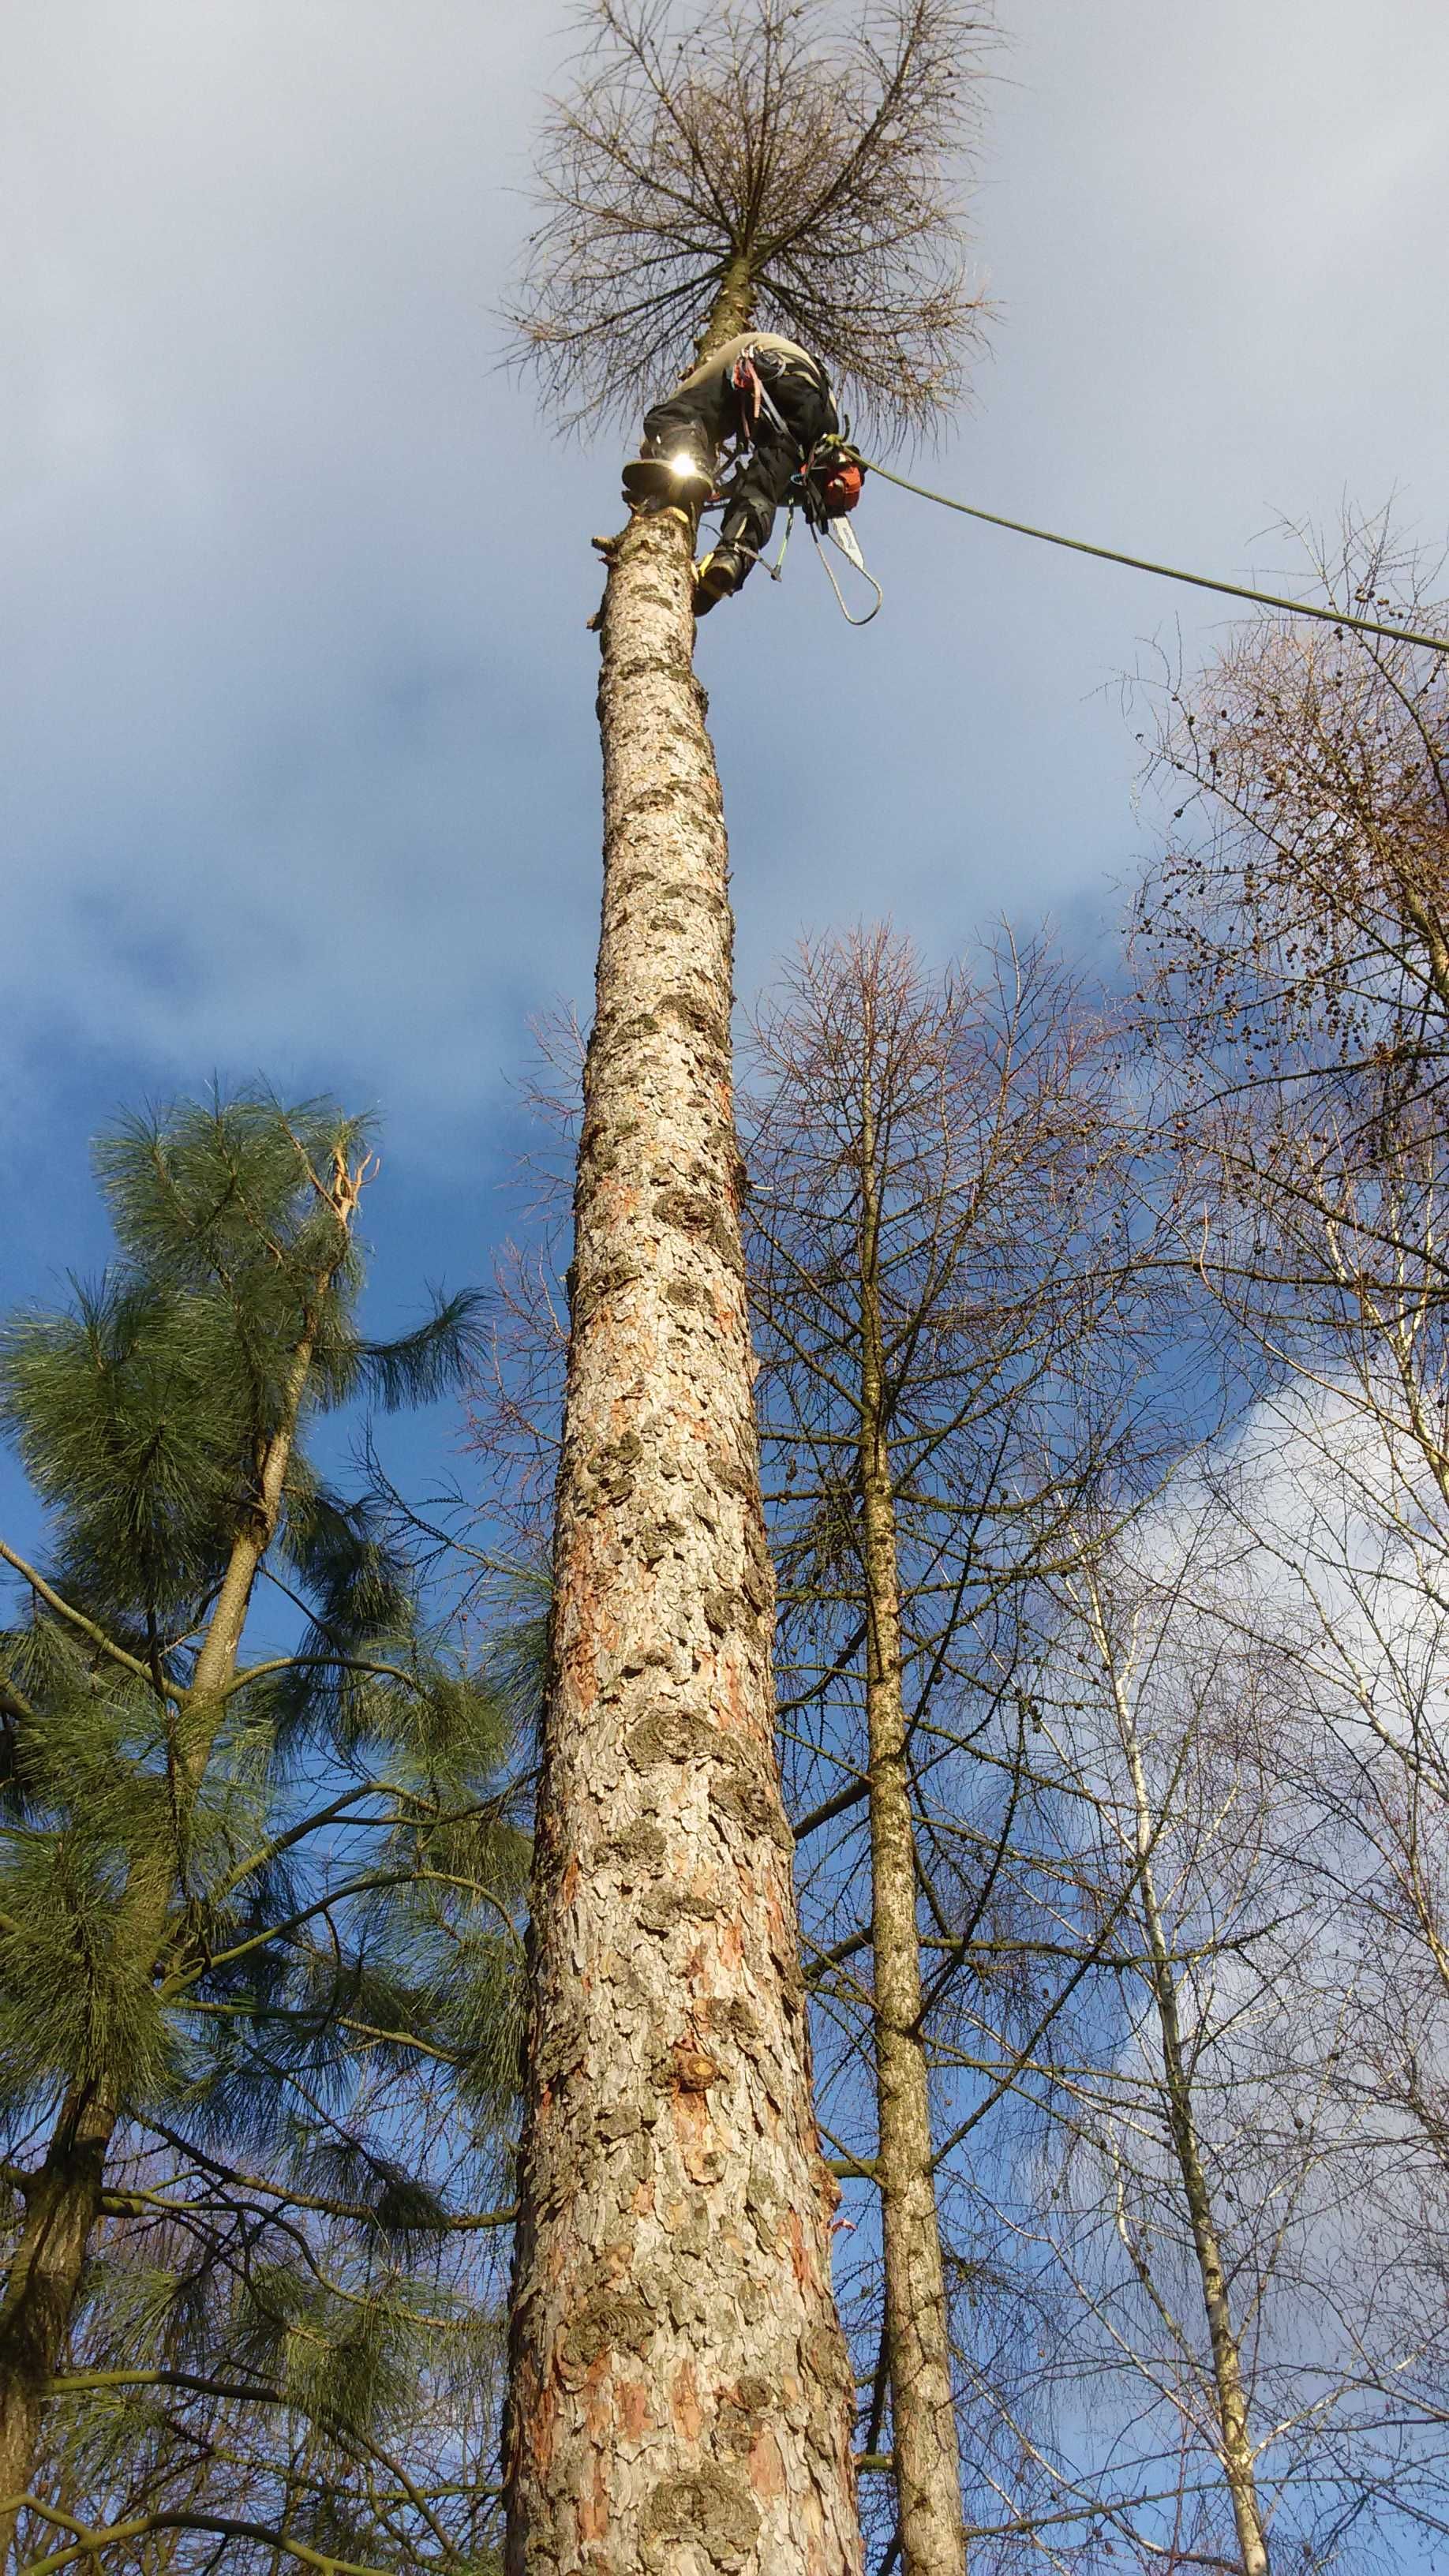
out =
column 1124, row 1638
column 1334, row 1515
column 680, row 2391
column 1241, row 2192
column 1297, row 1011
column 1298, row 942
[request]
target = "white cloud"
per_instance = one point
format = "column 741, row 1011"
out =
column 297, row 725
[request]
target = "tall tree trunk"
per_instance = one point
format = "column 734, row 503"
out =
column 680, row 2391
column 923, row 2415
column 1235, row 2443
column 63, row 2199
column 733, row 306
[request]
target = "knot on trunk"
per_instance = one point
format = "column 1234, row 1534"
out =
column 706, row 2507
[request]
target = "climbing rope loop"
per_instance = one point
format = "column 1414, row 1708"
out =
column 853, row 556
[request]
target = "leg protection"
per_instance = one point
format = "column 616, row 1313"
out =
column 757, row 495
column 697, row 417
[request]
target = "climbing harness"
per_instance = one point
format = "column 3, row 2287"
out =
column 754, row 395
column 1170, row 572
column 824, row 487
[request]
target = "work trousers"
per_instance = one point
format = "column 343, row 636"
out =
column 702, row 416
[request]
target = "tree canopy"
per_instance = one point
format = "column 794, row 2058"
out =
column 257, row 1917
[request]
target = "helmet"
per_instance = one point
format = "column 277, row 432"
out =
column 838, row 479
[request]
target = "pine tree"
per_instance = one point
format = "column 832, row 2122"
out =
column 680, row 2392
column 256, row 1918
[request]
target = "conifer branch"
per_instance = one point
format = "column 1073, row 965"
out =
column 162, row 1421
column 320, row 1663
column 90, row 2541
column 85, row 1627
column 236, row 2180
column 371, row 1881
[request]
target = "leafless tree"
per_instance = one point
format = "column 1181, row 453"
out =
column 759, row 162
column 934, row 1259
column 1250, row 2205
column 1337, row 1513
column 1296, row 1007
column 1144, row 1816
column 1300, row 1017
column 680, row 2390
column 1145, row 1953
column 1297, row 996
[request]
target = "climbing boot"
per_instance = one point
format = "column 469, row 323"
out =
column 718, row 577
column 681, row 481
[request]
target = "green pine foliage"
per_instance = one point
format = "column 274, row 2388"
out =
column 282, row 1926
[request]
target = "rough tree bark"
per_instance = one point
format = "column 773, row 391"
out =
column 63, row 2197
column 62, row 2202
column 927, row 2454
column 1234, row 2439
column 680, row 2391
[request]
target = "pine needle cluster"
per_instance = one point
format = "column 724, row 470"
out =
column 258, row 1918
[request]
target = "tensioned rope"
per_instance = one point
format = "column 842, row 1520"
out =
column 1167, row 572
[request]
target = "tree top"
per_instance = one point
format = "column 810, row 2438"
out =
column 762, row 163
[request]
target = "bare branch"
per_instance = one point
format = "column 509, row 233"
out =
column 809, row 171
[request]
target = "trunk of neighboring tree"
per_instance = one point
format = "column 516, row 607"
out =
column 1236, row 2448
column 927, row 2457
column 61, row 2207
column 680, row 2391
column 64, row 2198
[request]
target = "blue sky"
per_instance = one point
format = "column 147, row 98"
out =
column 300, row 774
column 297, row 732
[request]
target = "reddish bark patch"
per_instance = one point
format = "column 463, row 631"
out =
column 767, row 2469
column 684, row 2404
column 594, row 2507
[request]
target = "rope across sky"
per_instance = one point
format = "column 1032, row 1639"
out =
column 1168, row 572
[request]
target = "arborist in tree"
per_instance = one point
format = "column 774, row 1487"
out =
column 774, row 401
